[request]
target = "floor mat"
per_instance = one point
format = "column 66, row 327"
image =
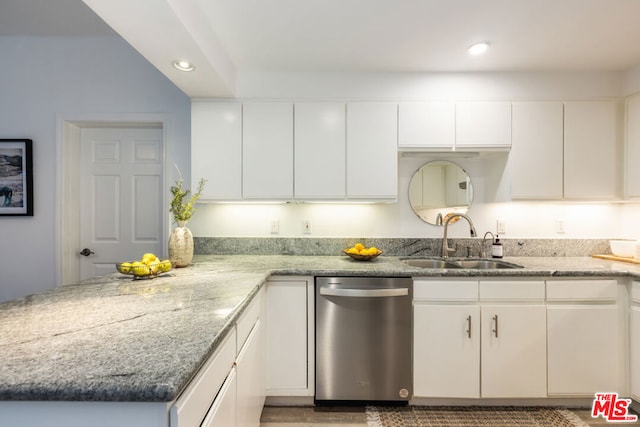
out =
column 474, row 416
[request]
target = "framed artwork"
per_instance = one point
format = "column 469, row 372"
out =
column 16, row 177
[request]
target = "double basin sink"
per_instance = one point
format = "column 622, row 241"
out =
column 466, row 263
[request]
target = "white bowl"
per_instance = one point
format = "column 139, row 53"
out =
column 623, row 248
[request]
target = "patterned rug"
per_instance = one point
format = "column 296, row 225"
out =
column 473, row 416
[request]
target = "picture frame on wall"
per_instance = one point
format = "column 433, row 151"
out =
column 16, row 177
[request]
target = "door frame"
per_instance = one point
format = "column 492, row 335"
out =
column 67, row 212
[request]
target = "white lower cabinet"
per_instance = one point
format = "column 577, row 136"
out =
column 513, row 359
column 250, row 368
column 446, row 350
column 584, row 337
column 223, row 410
column 479, row 339
column 289, row 331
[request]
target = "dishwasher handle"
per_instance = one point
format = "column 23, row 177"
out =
column 364, row 293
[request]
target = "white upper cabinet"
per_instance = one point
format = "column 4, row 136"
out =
column 216, row 149
column 483, row 124
column 536, row 156
column 372, row 154
column 320, row 150
column 632, row 155
column 454, row 126
column 591, row 150
column 426, row 125
column 267, row 150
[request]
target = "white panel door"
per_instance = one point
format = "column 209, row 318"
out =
column 320, row 152
column 582, row 338
column 590, row 150
column 446, row 350
column 483, row 124
column 514, row 351
column 121, row 196
column 216, row 149
column 634, row 350
column 372, row 151
column 536, row 156
column 426, row 125
column 287, row 361
column 267, row 150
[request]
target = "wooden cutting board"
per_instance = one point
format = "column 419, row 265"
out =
column 618, row 258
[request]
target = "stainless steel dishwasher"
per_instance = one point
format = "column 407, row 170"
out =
column 363, row 339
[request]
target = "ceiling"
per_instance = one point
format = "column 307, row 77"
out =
column 225, row 37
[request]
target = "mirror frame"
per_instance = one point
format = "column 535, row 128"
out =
column 437, row 215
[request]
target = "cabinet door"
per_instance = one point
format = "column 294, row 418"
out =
column 251, row 379
column 514, row 351
column 287, row 342
column 632, row 155
column 590, row 150
column 634, row 351
column 536, row 155
column 320, row 152
column 223, row 411
column 584, row 350
column 267, row 150
column 446, row 351
column 372, row 153
column 216, row 149
column 426, row 125
column 483, row 124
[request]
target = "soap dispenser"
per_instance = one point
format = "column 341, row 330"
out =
column 497, row 250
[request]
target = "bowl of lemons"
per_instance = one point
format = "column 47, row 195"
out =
column 148, row 267
column 361, row 253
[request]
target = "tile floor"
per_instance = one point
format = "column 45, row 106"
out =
column 355, row 417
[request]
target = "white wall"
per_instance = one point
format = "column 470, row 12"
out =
column 42, row 78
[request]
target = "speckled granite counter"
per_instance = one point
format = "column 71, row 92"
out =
column 115, row 339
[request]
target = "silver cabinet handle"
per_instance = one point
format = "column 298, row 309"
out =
column 495, row 319
column 469, row 326
column 364, row 293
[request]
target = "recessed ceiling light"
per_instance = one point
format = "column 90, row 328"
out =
column 183, row 65
column 478, row 48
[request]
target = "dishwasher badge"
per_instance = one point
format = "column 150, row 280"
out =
column 403, row 393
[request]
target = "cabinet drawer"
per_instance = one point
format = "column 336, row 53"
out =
column 445, row 290
column 582, row 290
column 193, row 404
column 512, row 290
column 248, row 319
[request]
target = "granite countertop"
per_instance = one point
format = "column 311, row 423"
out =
column 116, row 339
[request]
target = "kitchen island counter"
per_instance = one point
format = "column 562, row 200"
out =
column 116, row 339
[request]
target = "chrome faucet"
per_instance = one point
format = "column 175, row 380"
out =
column 483, row 252
column 445, row 245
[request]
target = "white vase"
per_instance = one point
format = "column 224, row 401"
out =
column 181, row 245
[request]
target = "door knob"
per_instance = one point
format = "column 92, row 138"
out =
column 86, row 252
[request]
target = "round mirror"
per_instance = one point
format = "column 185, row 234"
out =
column 439, row 189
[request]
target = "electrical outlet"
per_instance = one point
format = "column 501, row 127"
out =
column 560, row 226
column 501, row 226
column 275, row 226
column 306, row 226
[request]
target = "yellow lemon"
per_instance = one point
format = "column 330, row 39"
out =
column 359, row 247
column 148, row 257
column 352, row 251
column 165, row 265
column 373, row 250
column 125, row 267
column 139, row 269
column 154, row 267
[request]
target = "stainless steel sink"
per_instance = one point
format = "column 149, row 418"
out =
column 471, row 264
column 486, row 264
column 429, row 263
